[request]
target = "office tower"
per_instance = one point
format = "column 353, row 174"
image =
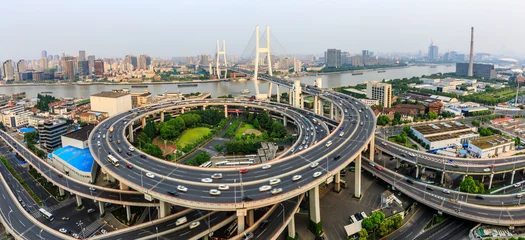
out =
column 366, row 53
column 205, row 60
column 44, row 63
column 99, row 68
column 81, row 55
column 148, row 61
column 141, row 62
column 481, row 70
column 21, row 66
column 83, row 68
column 91, row 62
column 8, row 70
column 380, row 91
column 134, row 62
column 44, row 53
column 471, row 57
column 68, row 67
column 333, row 58
column 51, row 133
column 56, row 57
column 297, row 65
column 432, row 52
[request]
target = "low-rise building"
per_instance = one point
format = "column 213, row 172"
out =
column 113, row 103
column 74, row 162
column 369, row 102
column 490, row 146
column 50, row 133
column 501, row 120
column 444, row 134
column 141, row 99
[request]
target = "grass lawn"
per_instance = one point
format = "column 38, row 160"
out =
column 191, row 135
column 407, row 144
column 244, row 127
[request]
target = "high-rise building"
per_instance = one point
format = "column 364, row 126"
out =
column 51, row 133
column 134, row 62
column 205, row 60
column 432, row 52
column 44, row 53
column 68, row 67
column 8, row 70
column 481, row 70
column 91, row 62
column 83, row 68
column 380, row 91
column 21, row 66
column 99, row 67
column 81, row 55
column 333, row 58
column 142, row 62
column 44, row 63
column 297, row 65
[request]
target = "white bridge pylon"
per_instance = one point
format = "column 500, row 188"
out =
column 218, row 57
column 258, row 51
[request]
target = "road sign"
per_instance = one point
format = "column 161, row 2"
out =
column 148, row 197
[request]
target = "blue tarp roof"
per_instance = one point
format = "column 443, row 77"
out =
column 80, row 159
column 26, row 130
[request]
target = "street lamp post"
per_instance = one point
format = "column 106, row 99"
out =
column 40, row 234
column 501, row 212
column 80, row 224
column 283, row 213
column 235, row 190
column 157, row 230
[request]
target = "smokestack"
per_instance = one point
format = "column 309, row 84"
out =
column 471, row 59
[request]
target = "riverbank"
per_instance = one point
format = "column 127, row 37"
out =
column 111, row 83
column 358, row 71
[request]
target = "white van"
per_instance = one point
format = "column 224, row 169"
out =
column 329, row 143
column 181, row 221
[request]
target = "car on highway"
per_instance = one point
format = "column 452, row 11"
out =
column 150, row 175
column 182, row 188
column 317, row 174
column 411, row 154
column 173, row 193
column 248, row 236
column 62, row 230
column 103, row 231
column 119, row 150
column 244, row 170
column 91, row 210
column 519, row 195
column 446, row 191
column 300, row 148
column 60, row 175
column 215, row 192
column 315, row 164
column 224, row 187
column 131, row 149
column 92, row 189
column 275, row 181
column 181, row 221
column 65, row 218
column 361, row 124
column 118, row 141
column 341, row 134
column 276, row 190
column 384, row 143
column 216, row 176
column 486, row 170
column 372, row 164
column 337, row 157
column 195, row 224
column 379, row 168
column 206, row 180
column 98, row 143
column 266, row 166
column 296, row 177
column 129, row 166
column 517, row 184
column 265, row 188
column 429, row 188
column 142, row 156
column 329, row 143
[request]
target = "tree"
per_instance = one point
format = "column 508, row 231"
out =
column 31, row 137
column 363, row 234
column 167, row 132
column 471, row 186
column 218, row 147
column 150, row 130
column 397, row 118
column 377, row 217
column 476, row 123
column 397, row 219
column 256, row 123
column 517, row 141
column 142, row 139
column 367, row 224
column 383, row 120
column 278, row 130
column 152, row 150
column 432, row 115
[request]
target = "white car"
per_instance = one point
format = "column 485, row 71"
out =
column 98, row 143
column 372, row 164
column 224, row 187
column 446, row 191
column 296, row 177
column 486, row 170
column 62, row 230
column 195, row 224
column 266, row 166
column 315, row 164
column 275, row 181
column 216, row 176
column 517, row 185
column 215, row 192
column 341, row 134
column 103, row 231
column 182, row 188
column 317, row 174
column 207, row 180
column 412, row 155
column 265, row 188
column 329, row 143
column 384, row 143
column 277, row 190
column 150, row 175
column 92, row 189
column 131, row 149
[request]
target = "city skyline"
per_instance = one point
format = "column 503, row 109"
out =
column 117, row 30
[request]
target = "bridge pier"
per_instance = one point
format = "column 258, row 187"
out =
column 314, row 211
column 337, row 182
column 398, row 163
column 270, row 86
column 128, row 213
column 61, row 191
column 130, row 130
column 302, row 102
column 241, row 213
column 482, row 178
column 417, row 171
column 357, row 180
column 164, row 209
column 504, row 176
column 332, row 110
column 110, row 178
column 290, row 95
column 442, row 177
column 371, row 148
column 250, row 217
column 490, row 181
column 162, row 116
column 225, row 111
column 79, row 200
column 336, row 114
column 143, row 120
column 316, row 104
column 284, row 121
column 512, row 177
column 101, row 208
column 278, row 94
column 123, row 186
column 321, row 107
column 291, row 228
column 464, row 176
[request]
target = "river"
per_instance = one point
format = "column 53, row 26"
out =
column 233, row 87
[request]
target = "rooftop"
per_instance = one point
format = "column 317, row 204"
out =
column 110, row 94
column 443, row 127
column 80, row 159
column 490, row 141
column 81, row 134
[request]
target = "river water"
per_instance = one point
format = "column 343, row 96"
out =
column 232, row 87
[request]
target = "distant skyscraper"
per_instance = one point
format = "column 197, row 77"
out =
column 81, row 55
column 333, row 58
column 8, row 70
column 99, row 68
column 44, row 63
column 366, row 53
column 83, row 68
column 141, row 62
column 44, row 53
column 91, row 62
column 205, row 60
column 68, row 67
column 21, row 66
column 148, row 61
column 134, row 62
column 432, row 52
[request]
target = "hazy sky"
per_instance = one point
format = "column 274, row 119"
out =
column 114, row 28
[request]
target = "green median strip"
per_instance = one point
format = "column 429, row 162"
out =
column 20, row 180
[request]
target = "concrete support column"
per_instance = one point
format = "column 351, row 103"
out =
column 270, row 86
column 490, row 181
column 110, row 178
column 250, row 218
column 331, row 110
column 398, row 163
column 284, row 121
column 164, row 209
column 291, row 228
column 316, row 104
column 417, row 171
column 483, row 178
column 182, row 110
column 337, row 182
column 203, row 107
column 61, row 191
column 442, row 177
column 79, row 200
column 314, row 211
column 225, row 111
column 130, row 130
column 143, row 120
column 302, row 102
column 512, row 177
column 101, row 208
column 321, row 107
column 336, row 114
column 278, row 94
column 241, row 213
column 290, row 95
column 162, row 116
column 357, row 180
column 128, row 213
column 123, row 186
column 504, row 176
column 372, row 148
column 464, row 176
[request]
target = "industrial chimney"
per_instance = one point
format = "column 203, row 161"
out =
column 471, row 58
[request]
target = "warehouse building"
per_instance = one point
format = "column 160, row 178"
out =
column 445, row 134
column 490, row 146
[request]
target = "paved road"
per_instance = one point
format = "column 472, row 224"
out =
column 415, row 225
column 451, row 229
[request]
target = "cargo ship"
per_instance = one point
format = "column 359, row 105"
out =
column 188, row 85
column 381, row 71
column 139, row 86
column 357, row 73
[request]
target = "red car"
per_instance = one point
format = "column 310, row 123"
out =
column 491, row 166
column 379, row 168
column 60, row 175
column 129, row 166
column 244, row 170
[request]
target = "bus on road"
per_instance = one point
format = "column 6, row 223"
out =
column 46, row 214
column 113, row 160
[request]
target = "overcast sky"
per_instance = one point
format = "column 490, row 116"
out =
column 114, row 28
